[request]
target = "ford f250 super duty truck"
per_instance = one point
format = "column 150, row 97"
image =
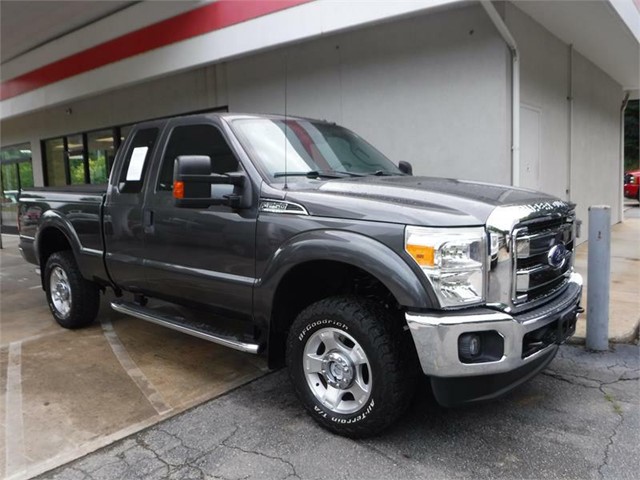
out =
column 296, row 238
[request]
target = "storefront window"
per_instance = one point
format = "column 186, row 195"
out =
column 85, row 157
column 101, row 150
column 75, row 152
column 54, row 154
column 16, row 172
column 25, row 170
column 10, row 177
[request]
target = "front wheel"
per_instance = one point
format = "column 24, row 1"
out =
column 73, row 301
column 349, row 364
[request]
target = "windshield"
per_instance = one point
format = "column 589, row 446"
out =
column 301, row 149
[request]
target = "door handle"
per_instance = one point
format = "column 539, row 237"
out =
column 147, row 221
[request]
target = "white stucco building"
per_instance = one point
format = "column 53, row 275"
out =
column 524, row 93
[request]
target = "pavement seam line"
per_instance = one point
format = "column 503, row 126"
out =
column 608, row 397
column 224, row 443
column 618, row 411
column 145, row 385
column 14, row 422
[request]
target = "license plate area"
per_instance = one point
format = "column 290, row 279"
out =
column 555, row 332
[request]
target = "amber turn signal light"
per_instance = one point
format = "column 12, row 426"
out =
column 423, row 255
column 178, row 189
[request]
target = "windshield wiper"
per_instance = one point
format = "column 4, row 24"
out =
column 381, row 173
column 332, row 174
column 350, row 174
column 310, row 174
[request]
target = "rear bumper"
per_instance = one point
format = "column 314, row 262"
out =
column 530, row 341
column 27, row 249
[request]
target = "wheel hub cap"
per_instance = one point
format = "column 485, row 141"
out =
column 60, row 292
column 337, row 370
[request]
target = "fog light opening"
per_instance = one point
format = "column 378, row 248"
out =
column 469, row 346
column 480, row 347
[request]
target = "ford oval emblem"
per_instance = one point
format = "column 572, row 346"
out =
column 557, row 255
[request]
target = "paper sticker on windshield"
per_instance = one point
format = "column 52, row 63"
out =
column 138, row 156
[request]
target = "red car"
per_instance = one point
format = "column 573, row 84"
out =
column 631, row 180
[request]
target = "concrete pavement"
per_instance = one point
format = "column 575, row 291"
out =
column 579, row 419
column 65, row 393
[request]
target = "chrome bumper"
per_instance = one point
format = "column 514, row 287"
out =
column 436, row 335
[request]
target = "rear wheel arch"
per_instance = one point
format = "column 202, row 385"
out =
column 50, row 239
column 56, row 233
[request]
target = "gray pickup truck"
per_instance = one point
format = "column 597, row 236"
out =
column 297, row 239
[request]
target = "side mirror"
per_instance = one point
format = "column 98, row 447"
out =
column 192, row 181
column 406, row 168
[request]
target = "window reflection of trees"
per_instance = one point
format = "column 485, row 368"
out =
column 16, row 173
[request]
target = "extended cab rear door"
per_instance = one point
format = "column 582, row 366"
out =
column 123, row 229
column 199, row 255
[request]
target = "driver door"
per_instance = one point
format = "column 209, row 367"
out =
column 202, row 256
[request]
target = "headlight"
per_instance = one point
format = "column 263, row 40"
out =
column 453, row 260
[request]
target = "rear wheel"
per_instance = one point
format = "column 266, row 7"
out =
column 348, row 361
column 73, row 301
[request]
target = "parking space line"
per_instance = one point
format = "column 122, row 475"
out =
column 144, row 384
column 40, row 336
column 14, row 428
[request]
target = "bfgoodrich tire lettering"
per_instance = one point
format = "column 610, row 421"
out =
column 73, row 301
column 348, row 362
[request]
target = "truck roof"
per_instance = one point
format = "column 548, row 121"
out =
column 230, row 116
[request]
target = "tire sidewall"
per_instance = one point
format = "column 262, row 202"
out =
column 299, row 336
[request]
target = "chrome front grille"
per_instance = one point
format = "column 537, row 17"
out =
column 543, row 258
column 531, row 254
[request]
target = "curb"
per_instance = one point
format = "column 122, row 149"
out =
column 630, row 336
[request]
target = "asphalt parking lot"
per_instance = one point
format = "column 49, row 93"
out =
column 579, row 419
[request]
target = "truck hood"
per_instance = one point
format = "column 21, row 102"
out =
column 428, row 201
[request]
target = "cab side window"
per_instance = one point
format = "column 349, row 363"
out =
column 137, row 160
column 196, row 140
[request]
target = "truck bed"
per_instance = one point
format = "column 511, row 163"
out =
column 77, row 210
column 74, row 190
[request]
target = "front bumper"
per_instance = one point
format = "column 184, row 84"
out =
column 436, row 338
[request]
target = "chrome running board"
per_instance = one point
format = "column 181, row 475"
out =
column 203, row 331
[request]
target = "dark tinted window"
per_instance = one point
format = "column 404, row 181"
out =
column 55, row 163
column 137, row 160
column 196, row 140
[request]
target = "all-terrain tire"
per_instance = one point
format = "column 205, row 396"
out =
column 73, row 301
column 390, row 369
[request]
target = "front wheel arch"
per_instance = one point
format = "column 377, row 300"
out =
column 317, row 249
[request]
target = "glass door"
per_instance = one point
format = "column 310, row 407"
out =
column 16, row 172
